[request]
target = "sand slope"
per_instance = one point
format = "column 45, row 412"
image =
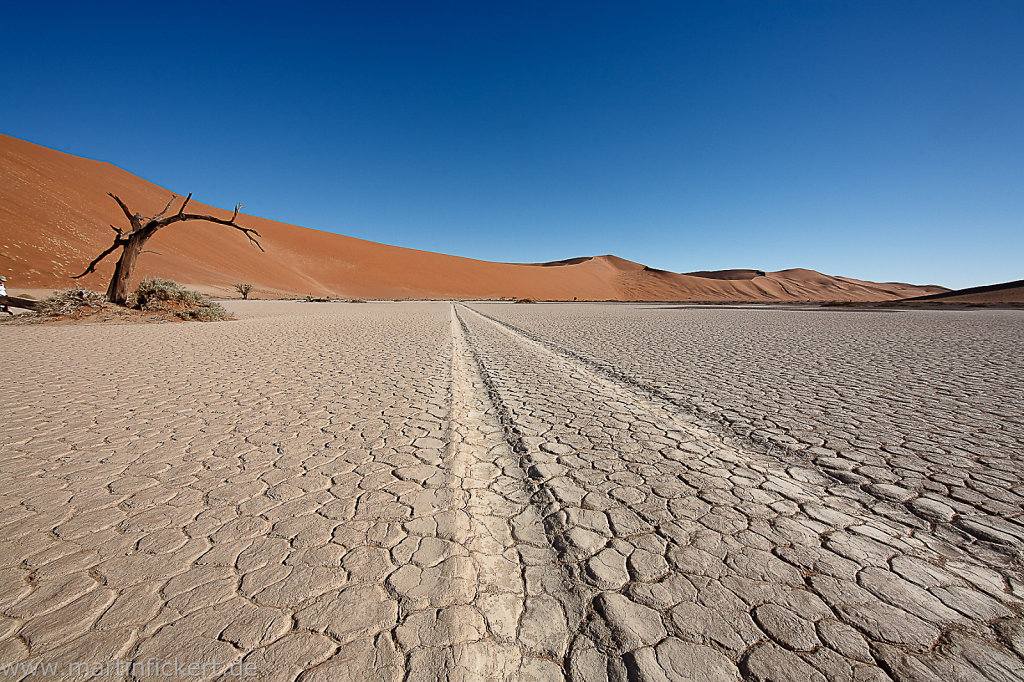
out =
column 55, row 212
column 1007, row 292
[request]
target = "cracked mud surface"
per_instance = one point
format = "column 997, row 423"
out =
column 489, row 492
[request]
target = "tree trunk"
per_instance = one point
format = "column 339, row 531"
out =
column 117, row 292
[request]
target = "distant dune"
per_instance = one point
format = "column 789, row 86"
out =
column 55, row 213
column 729, row 274
column 1007, row 292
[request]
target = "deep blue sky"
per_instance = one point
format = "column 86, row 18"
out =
column 880, row 140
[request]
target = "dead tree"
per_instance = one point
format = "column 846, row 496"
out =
column 143, row 228
column 244, row 290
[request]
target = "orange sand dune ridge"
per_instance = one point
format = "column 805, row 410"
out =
column 1006, row 292
column 55, row 213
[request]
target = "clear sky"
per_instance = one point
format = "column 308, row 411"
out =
column 879, row 140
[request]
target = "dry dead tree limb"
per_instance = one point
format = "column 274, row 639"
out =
column 18, row 302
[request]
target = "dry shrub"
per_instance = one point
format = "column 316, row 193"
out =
column 74, row 302
column 164, row 295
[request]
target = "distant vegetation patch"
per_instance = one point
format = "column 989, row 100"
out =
column 525, row 300
column 327, row 299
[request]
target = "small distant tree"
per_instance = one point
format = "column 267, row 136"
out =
column 143, row 228
column 244, row 290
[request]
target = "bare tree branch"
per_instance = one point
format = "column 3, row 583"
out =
column 161, row 213
column 127, row 213
column 247, row 231
column 116, row 229
column 185, row 203
column 178, row 217
column 92, row 265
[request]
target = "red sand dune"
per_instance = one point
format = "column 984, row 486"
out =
column 1007, row 292
column 55, row 212
column 740, row 273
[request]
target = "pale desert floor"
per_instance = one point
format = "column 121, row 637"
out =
column 427, row 491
